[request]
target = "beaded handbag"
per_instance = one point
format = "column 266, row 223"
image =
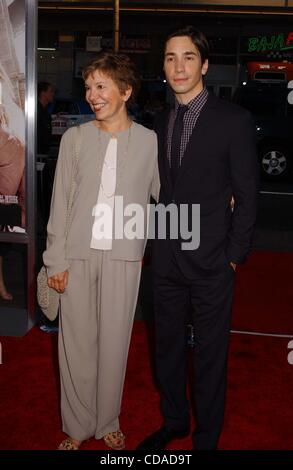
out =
column 48, row 298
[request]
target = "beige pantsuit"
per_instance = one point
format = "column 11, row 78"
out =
column 99, row 305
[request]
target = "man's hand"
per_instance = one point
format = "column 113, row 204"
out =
column 233, row 265
column 59, row 281
column 232, row 203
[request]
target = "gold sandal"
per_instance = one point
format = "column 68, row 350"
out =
column 68, row 444
column 115, row 440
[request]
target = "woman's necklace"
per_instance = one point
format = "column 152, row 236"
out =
column 110, row 167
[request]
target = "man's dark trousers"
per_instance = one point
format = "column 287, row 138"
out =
column 211, row 300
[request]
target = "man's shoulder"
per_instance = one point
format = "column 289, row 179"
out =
column 228, row 108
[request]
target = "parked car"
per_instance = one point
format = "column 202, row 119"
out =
column 67, row 112
column 273, row 115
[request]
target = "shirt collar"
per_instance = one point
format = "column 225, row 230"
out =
column 196, row 102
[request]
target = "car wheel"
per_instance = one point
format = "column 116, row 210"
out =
column 275, row 164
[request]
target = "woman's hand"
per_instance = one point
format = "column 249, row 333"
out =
column 59, row 281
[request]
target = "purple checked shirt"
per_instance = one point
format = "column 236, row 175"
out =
column 189, row 121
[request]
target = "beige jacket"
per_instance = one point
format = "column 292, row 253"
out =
column 137, row 179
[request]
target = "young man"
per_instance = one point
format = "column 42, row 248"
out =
column 207, row 155
column 44, row 130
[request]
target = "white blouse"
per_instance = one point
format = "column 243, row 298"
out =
column 102, row 230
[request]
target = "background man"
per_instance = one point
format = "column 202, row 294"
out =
column 44, row 128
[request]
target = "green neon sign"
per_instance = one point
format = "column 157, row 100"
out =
column 279, row 42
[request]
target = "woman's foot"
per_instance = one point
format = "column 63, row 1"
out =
column 115, row 440
column 69, row 444
column 4, row 294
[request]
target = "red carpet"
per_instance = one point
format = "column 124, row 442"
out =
column 264, row 294
column 259, row 405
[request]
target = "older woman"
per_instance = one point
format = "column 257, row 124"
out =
column 96, row 265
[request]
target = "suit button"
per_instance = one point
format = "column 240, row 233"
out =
column 173, row 200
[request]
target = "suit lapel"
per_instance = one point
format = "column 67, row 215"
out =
column 162, row 132
column 123, row 153
column 193, row 143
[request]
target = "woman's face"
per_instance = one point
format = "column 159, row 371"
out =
column 104, row 96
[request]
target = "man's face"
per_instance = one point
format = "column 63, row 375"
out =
column 183, row 68
column 49, row 94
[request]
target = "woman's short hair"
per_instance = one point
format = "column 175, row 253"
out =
column 196, row 36
column 120, row 68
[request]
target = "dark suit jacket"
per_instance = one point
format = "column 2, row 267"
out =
column 44, row 130
column 220, row 161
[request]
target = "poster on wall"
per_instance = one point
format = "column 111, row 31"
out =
column 12, row 116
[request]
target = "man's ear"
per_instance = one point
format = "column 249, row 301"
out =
column 205, row 67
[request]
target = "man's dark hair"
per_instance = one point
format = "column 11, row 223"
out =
column 43, row 86
column 196, row 36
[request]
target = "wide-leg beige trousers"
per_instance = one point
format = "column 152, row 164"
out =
column 97, row 311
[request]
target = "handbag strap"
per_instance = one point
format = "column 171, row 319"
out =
column 73, row 184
